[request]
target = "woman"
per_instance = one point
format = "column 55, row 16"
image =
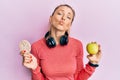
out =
column 58, row 56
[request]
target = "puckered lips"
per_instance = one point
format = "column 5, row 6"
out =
column 61, row 22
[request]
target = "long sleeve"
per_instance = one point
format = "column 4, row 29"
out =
column 82, row 73
column 61, row 62
column 36, row 74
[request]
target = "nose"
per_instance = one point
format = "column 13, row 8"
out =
column 63, row 17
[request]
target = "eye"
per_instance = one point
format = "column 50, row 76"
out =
column 69, row 17
column 59, row 13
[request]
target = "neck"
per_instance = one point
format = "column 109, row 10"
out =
column 56, row 34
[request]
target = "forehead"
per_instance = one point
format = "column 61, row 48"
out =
column 65, row 9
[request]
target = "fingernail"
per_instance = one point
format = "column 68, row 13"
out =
column 30, row 56
column 24, row 51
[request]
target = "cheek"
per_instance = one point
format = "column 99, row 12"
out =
column 55, row 20
column 68, row 25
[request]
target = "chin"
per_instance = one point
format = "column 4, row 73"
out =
column 61, row 28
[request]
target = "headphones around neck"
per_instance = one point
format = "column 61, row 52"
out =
column 51, row 42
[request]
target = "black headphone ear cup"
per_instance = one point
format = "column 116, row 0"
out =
column 50, row 42
column 64, row 40
column 47, row 34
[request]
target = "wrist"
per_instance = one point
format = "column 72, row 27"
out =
column 36, row 70
column 93, row 64
column 35, row 67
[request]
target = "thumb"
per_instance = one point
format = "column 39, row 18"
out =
column 22, row 52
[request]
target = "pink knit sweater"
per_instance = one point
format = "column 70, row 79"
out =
column 61, row 62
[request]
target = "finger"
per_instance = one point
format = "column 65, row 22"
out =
column 92, row 42
column 99, row 46
column 99, row 54
column 99, row 49
column 89, row 56
column 27, row 60
column 27, row 55
column 95, row 42
column 22, row 52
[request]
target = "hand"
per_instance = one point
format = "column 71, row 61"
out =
column 29, row 60
column 94, row 59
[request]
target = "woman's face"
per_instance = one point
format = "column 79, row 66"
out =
column 62, row 18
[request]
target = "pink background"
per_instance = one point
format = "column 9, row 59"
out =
column 96, row 20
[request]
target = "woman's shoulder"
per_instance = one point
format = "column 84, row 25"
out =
column 39, row 43
column 76, row 44
column 75, row 41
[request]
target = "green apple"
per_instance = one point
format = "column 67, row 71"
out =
column 92, row 48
